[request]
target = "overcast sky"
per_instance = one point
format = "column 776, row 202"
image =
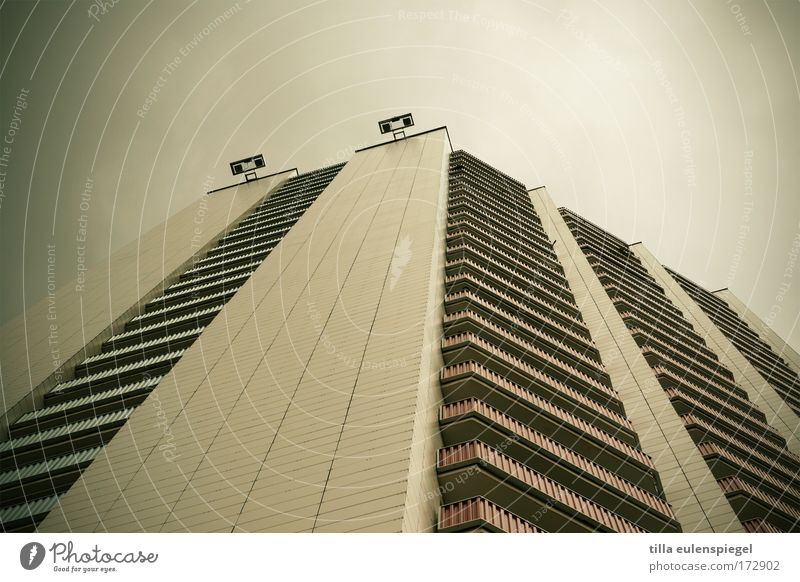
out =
column 676, row 122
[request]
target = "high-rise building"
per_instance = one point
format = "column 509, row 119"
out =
column 411, row 341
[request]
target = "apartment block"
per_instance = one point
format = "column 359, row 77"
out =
column 411, row 341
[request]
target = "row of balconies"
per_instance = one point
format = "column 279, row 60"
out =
column 521, row 217
column 663, row 329
column 717, row 374
column 669, row 377
column 656, row 357
column 264, row 240
column 564, row 464
column 562, row 298
column 189, row 321
column 567, row 314
column 525, row 491
column 536, row 365
column 574, row 219
column 625, row 305
column 752, row 503
column 528, row 334
column 677, row 349
column 533, row 259
column 709, row 401
column 463, row 220
column 530, row 415
column 771, row 367
column 762, row 436
column 498, row 305
column 785, row 463
column 725, row 463
column 536, row 254
column 476, row 165
column 725, row 425
column 641, row 302
column 463, row 247
column 487, row 216
column 473, row 380
column 534, row 470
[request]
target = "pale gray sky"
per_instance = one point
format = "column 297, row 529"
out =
column 672, row 122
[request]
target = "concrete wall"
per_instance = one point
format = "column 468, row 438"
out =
column 40, row 346
column 309, row 404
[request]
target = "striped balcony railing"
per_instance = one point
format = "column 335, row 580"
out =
column 478, row 509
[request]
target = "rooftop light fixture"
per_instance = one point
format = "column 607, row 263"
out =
column 248, row 167
column 396, row 125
